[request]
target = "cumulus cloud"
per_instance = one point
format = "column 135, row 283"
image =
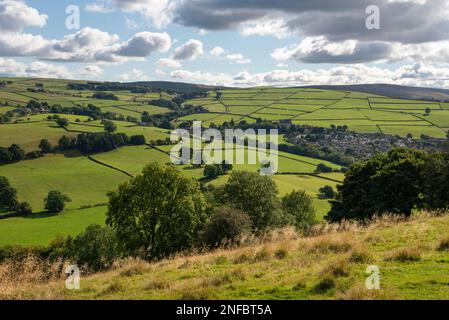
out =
column 86, row 45
column 157, row 11
column 414, row 75
column 90, row 71
column 321, row 50
column 15, row 15
column 238, row 58
column 266, row 27
column 10, row 67
column 217, row 51
column 190, row 50
column 168, row 63
column 403, row 21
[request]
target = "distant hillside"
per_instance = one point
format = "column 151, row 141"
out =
column 394, row 91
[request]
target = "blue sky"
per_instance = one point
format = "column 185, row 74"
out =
column 284, row 42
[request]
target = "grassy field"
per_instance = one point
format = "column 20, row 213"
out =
column 329, row 265
column 41, row 229
column 361, row 112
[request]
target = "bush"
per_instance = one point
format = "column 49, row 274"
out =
column 299, row 206
column 225, row 226
column 137, row 140
column 327, row 192
column 96, row 248
column 55, row 201
column 323, row 168
column 24, row 208
column 45, row 146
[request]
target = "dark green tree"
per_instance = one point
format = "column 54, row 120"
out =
column 435, row 181
column 55, row 201
column 387, row 183
column 8, row 194
column 24, row 208
column 16, row 152
column 62, row 122
column 45, row 146
column 109, row 126
column 327, row 192
column 158, row 213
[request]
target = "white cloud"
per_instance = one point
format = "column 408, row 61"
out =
column 266, row 27
column 134, row 75
column 168, row 63
column 413, row 75
column 37, row 69
column 157, row 11
column 98, row 7
column 217, row 51
column 144, row 43
column 90, row 71
column 190, row 50
column 238, row 58
column 321, row 50
column 15, row 15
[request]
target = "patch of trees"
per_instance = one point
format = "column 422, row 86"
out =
column 99, row 141
column 8, row 199
column 13, row 153
column 104, row 96
column 90, row 110
column 214, row 170
column 163, row 120
column 397, row 182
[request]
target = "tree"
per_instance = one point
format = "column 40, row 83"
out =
column 226, row 226
column 109, row 126
column 158, row 213
column 327, row 192
column 137, row 140
column 24, row 208
column 62, row 122
column 299, row 206
column 255, row 195
column 55, row 201
column 212, row 171
column 66, row 143
column 435, row 182
column 8, row 194
column 428, row 111
column 45, row 146
column 16, row 153
column 387, row 183
column 96, row 248
column 322, row 167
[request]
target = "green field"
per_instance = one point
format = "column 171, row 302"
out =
column 360, row 111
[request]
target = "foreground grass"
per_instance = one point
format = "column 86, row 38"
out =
column 412, row 257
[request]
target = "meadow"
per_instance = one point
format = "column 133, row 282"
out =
column 330, row 263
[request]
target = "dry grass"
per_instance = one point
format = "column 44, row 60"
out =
column 444, row 245
column 409, row 254
column 327, row 262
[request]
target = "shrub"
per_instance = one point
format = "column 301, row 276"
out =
column 298, row 206
column 96, row 248
column 226, row 226
column 55, row 201
column 24, row 208
column 327, row 192
column 322, row 167
column 325, row 284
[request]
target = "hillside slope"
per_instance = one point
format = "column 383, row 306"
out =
column 330, row 265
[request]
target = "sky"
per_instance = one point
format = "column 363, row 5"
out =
column 228, row 42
